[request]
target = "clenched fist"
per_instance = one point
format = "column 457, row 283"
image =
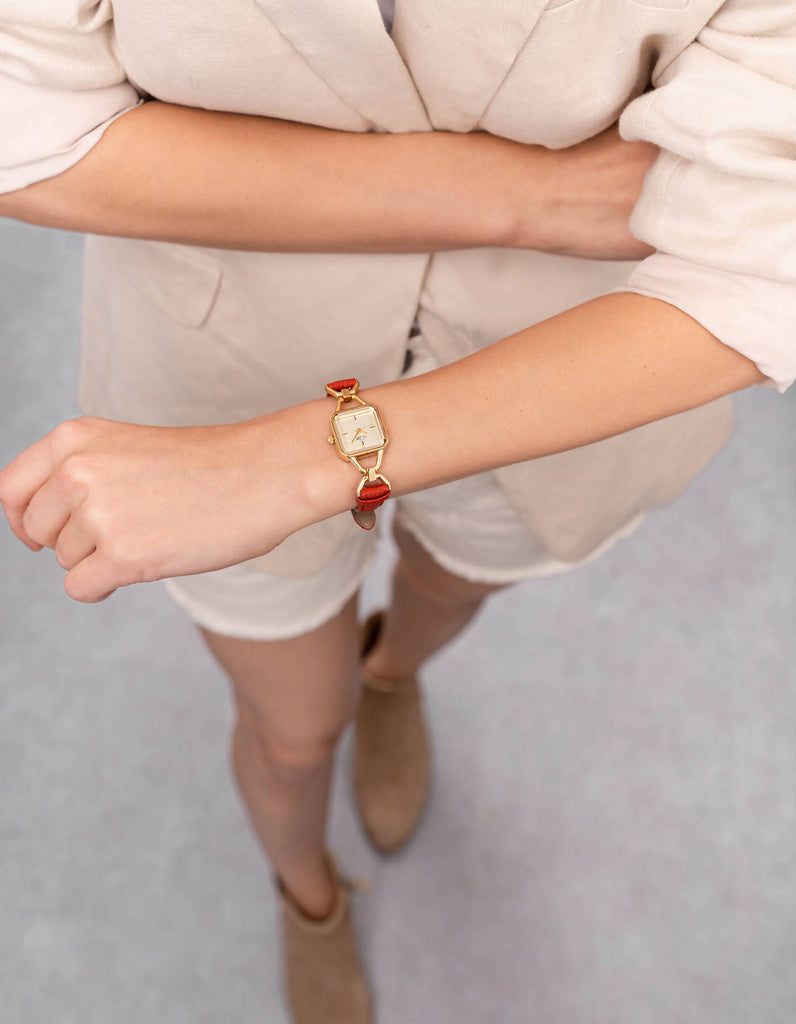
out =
column 121, row 503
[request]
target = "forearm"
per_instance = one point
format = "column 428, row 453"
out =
column 599, row 369
column 121, row 503
column 235, row 181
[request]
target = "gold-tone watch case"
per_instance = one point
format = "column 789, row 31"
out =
column 348, row 395
column 366, row 517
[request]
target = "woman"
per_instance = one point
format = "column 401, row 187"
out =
column 237, row 264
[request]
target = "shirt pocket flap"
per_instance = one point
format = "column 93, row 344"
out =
column 182, row 281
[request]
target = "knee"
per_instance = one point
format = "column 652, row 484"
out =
column 292, row 758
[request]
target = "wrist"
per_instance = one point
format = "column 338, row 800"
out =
column 487, row 190
column 321, row 484
column 331, row 473
column 531, row 195
column 301, row 478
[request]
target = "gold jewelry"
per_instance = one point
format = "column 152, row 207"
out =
column 356, row 432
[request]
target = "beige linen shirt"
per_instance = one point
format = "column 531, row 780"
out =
column 181, row 334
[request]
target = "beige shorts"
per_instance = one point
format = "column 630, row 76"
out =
column 468, row 526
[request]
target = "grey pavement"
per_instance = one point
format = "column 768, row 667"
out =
column 612, row 832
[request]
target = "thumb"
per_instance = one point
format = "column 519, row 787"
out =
column 91, row 580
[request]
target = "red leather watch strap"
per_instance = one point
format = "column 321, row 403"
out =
column 372, row 495
column 340, row 385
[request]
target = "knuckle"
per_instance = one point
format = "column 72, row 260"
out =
column 73, row 434
column 94, row 519
column 68, row 433
column 71, row 473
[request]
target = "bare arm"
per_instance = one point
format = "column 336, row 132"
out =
column 236, row 181
column 235, row 491
column 599, row 369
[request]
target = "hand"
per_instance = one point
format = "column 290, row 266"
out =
column 594, row 187
column 121, row 503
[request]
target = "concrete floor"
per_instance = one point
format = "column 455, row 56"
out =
column 612, row 831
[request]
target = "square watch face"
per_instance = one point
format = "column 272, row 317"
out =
column 358, row 430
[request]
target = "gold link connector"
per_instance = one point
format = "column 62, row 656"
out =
column 368, row 479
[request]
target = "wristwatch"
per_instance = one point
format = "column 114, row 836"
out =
column 357, row 431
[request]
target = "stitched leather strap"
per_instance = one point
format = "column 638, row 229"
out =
column 340, row 385
column 372, row 495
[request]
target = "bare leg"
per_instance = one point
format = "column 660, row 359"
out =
column 429, row 607
column 293, row 699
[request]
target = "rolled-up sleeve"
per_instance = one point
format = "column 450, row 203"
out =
column 61, row 84
column 719, row 201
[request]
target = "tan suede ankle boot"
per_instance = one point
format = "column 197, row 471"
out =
column 392, row 756
column 322, row 978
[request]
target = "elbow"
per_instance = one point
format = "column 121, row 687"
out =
column 26, row 204
column 12, row 204
column 46, row 203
